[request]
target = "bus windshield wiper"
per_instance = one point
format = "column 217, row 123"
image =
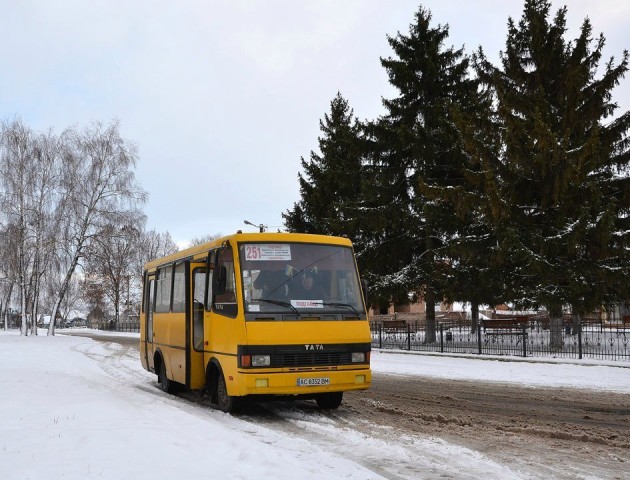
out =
column 337, row 304
column 278, row 302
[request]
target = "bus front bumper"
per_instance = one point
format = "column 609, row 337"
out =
column 305, row 382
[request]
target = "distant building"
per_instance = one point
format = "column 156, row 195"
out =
column 95, row 317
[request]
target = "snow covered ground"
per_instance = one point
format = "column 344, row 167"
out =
column 532, row 372
column 74, row 408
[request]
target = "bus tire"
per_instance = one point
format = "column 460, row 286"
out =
column 329, row 401
column 226, row 403
column 166, row 385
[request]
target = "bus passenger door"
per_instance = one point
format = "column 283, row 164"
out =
column 195, row 344
column 148, row 351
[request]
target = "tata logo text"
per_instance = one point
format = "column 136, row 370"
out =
column 314, row 347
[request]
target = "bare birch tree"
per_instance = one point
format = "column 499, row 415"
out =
column 8, row 272
column 154, row 245
column 99, row 187
column 204, row 239
column 111, row 264
column 16, row 166
column 44, row 195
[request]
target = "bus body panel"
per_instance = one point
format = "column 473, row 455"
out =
column 222, row 334
column 228, row 364
column 308, row 332
column 309, row 335
column 170, row 339
column 197, row 371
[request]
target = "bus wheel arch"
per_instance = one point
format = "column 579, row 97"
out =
column 166, row 385
column 213, row 371
column 217, row 387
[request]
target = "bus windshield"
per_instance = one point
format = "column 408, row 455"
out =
column 300, row 280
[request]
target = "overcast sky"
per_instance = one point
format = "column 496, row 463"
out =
column 222, row 98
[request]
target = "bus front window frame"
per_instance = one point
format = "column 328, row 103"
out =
column 226, row 304
column 283, row 295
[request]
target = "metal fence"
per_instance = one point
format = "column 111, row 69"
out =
column 531, row 338
column 133, row 327
column 120, row 326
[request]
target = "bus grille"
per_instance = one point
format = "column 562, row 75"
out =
column 311, row 359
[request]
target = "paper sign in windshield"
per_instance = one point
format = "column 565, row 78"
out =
column 268, row 252
column 307, row 303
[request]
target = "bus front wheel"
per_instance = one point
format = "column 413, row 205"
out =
column 226, row 403
column 329, row 401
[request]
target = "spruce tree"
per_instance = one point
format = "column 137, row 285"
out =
column 331, row 186
column 418, row 148
column 558, row 185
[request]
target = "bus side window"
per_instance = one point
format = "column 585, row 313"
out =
column 225, row 304
column 179, row 288
column 163, row 294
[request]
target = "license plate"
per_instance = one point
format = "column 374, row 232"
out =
column 309, row 382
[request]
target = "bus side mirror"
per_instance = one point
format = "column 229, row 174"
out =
column 219, row 280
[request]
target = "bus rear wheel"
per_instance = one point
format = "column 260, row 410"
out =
column 226, row 403
column 165, row 384
column 329, row 401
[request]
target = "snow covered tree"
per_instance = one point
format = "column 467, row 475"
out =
column 100, row 190
column 45, row 193
column 20, row 176
column 154, row 245
column 110, row 264
column 558, row 185
column 8, row 270
column 203, row 239
column 419, row 154
column 332, row 184
column 57, row 193
column 475, row 269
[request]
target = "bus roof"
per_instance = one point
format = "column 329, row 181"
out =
column 199, row 252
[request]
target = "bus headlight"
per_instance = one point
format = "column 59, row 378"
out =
column 261, row 360
column 358, row 357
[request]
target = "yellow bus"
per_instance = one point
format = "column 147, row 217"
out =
column 253, row 315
